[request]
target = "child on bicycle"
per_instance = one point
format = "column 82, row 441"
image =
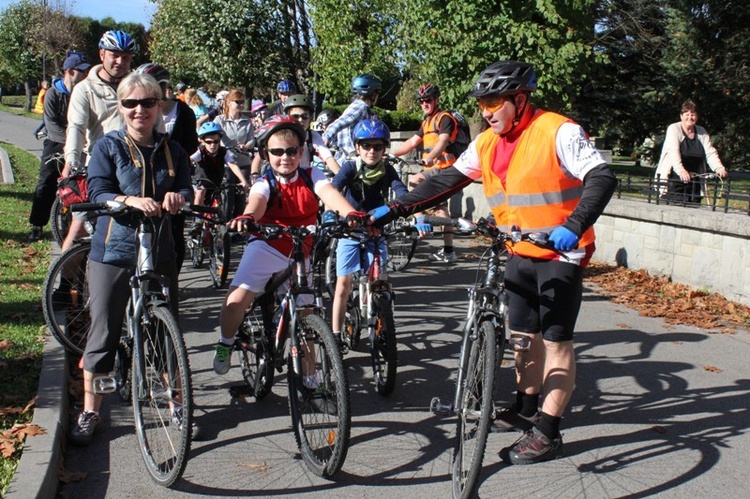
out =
column 211, row 160
column 364, row 181
column 288, row 196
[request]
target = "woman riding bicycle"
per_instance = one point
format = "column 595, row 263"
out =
column 364, row 181
column 150, row 173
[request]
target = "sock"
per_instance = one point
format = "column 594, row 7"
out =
column 549, row 426
column 226, row 341
column 448, row 249
column 526, row 405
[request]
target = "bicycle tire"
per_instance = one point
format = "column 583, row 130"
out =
column 330, row 273
column 221, row 254
column 65, row 299
column 123, row 364
column 197, row 252
column 163, row 443
column 60, row 219
column 322, row 438
column 254, row 350
column 401, row 248
column 476, row 410
column 383, row 348
column 353, row 320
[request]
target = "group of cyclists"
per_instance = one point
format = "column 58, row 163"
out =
column 538, row 169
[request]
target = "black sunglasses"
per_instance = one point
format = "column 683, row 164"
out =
column 144, row 103
column 211, row 142
column 303, row 116
column 289, row 151
column 239, row 101
column 375, row 147
column 429, row 99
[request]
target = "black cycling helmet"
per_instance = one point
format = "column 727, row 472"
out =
column 328, row 116
column 297, row 100
column 366, row 84
column 428, row 91
column 274, row 124
column 505, row 78
column 160, row 74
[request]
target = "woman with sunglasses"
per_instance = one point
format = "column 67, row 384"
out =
column 238, row 129
column 144, row 170
column 364, row 181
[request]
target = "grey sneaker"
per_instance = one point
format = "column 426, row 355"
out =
column 83, row 431
column 506, row 419
column 223, row 358
column 442, row 256
column 533, row 447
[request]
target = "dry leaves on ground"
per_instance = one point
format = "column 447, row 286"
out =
column 11, row 440
column 676, row 303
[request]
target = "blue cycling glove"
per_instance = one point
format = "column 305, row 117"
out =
column 563, row 239
column 329, row 217
column 380, row 213
column 421, row 226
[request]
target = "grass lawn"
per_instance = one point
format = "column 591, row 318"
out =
column 22, row 329
column 14, row 104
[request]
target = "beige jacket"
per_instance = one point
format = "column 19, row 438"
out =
column 92, row 111
column 671, row 160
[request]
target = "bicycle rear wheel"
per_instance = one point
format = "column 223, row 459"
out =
column 218, row 263
column 401, row 248
column 331, row 268
column 321, row 416
column 60, row 221
column 383, row 349
column 475, row 410
column 162, row 396
column 65, row 301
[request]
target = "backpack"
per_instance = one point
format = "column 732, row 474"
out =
column 268, row 175
column 463, row 137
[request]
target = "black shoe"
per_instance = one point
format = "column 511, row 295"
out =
column 37, row 234
column 533, row 447
column 83, row 431
column 506, row 419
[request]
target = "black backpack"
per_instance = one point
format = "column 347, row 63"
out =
column 463, row 137
column 271, row 179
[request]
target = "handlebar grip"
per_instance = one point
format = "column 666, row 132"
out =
column 215, row 210
column 452, row 222
column 88, row 206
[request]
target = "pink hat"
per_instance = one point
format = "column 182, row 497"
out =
column 258, row 106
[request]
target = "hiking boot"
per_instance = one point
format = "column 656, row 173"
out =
column 319, row 400
column 533, row 447
column 506, row 419
column 83, row 431
column 177, row 421
column 442, row 256
column 37, row 234
column 222, row 358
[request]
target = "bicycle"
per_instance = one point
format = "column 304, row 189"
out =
column 482, row 346
column 60, row 216
column 402, row 246
column 153, row 358
column 213, row 238
column 276, row 331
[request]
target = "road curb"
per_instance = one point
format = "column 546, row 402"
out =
column 6, row 170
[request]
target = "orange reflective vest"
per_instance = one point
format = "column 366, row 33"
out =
column 538, row 194
column 431, row 137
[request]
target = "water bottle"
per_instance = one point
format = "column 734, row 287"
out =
column 145, row 253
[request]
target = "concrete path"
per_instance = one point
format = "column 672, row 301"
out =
column 658, row 410
column 19, row 131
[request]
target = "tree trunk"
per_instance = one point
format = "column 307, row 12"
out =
column 27, row 86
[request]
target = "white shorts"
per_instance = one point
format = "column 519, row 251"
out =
column 259, row 262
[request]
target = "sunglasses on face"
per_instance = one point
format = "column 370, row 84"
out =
column 289, row 151
column 144, row 103
column 374, row 147
column 211, row 142
column 303, row 116
column 492, row 106
column 424, row 101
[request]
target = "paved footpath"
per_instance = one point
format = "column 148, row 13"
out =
column 19, row 131
column 658, row 409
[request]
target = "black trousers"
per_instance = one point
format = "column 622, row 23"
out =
column 46, row 186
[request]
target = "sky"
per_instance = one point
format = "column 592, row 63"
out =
column 138, row 11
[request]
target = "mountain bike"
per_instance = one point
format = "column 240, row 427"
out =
column 402, row 245
column 277, row 330
column 482, row 348
column 154, row 357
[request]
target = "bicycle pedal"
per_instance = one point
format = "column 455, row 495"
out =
column 104, row 385
column 440, row 407
column 520, row 342
column 241, row 391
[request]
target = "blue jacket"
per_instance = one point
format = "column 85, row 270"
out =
column 111, row 173
column 364, row 197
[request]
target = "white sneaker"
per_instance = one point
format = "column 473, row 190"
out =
column 442, row 256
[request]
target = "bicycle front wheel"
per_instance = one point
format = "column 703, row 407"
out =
column 65, row 301
column 475, row 410
column 218, row 264
column 383, row 349
column 162, row 396
column 401, row 248
column 60, row 221
column 331, row 268
column 321, row 416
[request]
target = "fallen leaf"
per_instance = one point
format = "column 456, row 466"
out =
column 623, row 326
column 713, row 369
column 7, row 447
column 659, row 429
column 5, row 344
column 261, row 467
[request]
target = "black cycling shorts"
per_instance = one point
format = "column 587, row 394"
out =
column 545, row 296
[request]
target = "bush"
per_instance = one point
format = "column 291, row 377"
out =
column 396, row 121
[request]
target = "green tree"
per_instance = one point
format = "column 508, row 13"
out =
column 20, row 51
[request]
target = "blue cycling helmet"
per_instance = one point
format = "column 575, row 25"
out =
column 286, row 87
column 209, row 128
column 117, row 40
column 366, row 84
column 371, row 129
